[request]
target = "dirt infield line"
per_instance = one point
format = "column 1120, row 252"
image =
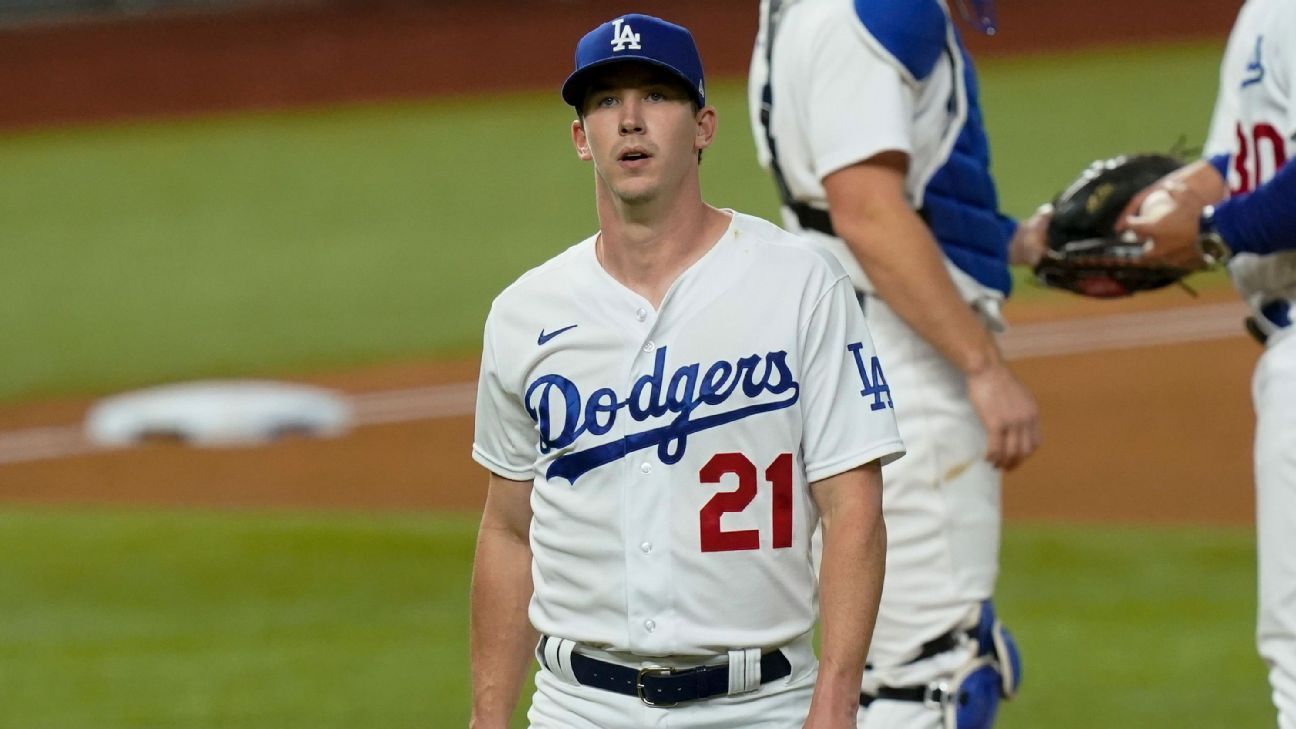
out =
column 1181, row 325
column 1026, row 341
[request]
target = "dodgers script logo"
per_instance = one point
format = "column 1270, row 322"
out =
column 624, row 37
column 555, row 404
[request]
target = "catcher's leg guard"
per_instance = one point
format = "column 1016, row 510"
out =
column 996, row 641
column 973, row 697
column 970, row 698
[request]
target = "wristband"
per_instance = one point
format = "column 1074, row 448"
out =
column 1210, row 244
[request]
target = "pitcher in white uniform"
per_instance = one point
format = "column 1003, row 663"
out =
column 668, row 409
column 1241, row 200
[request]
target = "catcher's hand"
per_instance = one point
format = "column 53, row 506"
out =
column 1085, row 254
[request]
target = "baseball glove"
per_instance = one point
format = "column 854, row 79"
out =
column 1085, row 254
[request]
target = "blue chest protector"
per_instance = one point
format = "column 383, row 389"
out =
column 960, row 204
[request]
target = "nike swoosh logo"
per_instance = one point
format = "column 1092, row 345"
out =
column 545, row 337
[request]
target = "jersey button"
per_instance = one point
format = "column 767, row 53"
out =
column 645, row 467
column 650, row 625
column 641, row 314
column 646, row 547
column 649, row 346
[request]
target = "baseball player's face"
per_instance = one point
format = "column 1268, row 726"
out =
column 641, row 130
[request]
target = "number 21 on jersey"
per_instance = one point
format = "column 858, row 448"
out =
column 715, row 538
column 779, row 474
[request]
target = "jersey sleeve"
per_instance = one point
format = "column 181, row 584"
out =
column 858, row 103
column 847, row 408
column 1219, row 139
column 1286, row 71
column 504, row 437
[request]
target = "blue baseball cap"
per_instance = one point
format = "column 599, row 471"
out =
column 641, row 38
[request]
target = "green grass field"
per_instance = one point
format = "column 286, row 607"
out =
column 186, row 620
column 309, row 240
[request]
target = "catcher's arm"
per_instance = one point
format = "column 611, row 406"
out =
column 1031, row 239
column 872, row 215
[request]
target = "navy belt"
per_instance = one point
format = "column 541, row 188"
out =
column 666, row 687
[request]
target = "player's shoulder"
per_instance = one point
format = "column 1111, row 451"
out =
column 1288, row 10
column 911, row 34
column 1260, row 15
column 558, row 274
column 1267, row 17
column 784, row 251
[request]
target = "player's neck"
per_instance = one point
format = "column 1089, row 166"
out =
column 646, row 252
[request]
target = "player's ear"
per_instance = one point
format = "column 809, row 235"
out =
column 706, row 128
column 581, row 141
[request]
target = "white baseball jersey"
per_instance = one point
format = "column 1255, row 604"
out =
column 1255, row 125
column 670, row 450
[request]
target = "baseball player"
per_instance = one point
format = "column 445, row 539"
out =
column 667, row 410
column 866, row 113
column 1241, row 200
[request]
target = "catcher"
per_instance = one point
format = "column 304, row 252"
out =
column 1090, row 245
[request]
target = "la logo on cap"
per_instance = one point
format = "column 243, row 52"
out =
column 624, row 37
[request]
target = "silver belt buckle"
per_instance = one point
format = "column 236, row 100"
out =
column 656, row 671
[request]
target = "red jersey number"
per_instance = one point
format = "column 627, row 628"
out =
column 779, row 474
column 1262, row 151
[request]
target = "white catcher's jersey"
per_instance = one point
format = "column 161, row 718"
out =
column 1255, row 125
column 841, row 98
column 670, row 451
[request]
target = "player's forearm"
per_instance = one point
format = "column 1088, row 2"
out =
column 850, row 587
column 1202, row 179
column 907, row 270
column 500, row 633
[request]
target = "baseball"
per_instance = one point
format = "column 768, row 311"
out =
column 1156, row 205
